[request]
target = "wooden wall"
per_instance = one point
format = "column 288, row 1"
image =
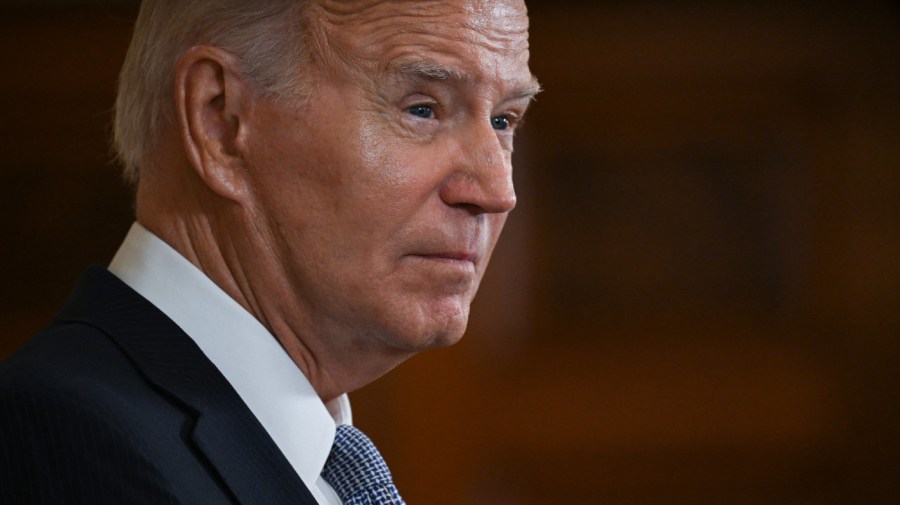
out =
column 696, row 301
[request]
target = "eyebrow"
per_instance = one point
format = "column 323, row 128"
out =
column 423, row 69
column 530, row 90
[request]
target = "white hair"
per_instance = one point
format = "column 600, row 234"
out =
column 267, row 37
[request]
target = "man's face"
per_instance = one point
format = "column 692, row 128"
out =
column 382, row 197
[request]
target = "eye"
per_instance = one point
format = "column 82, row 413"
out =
column 500, row 122
column 422, row 111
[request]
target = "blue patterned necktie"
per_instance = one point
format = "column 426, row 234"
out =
column 357, row 472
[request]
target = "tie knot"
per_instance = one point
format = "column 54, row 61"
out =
column 356, row 470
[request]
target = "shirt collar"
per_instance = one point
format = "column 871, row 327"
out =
column 243, row 350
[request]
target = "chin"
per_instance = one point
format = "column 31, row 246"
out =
column 442, row 330
column 448, row 338
column 410, row 321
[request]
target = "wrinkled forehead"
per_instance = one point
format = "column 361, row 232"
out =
column 477, row 11
column 376, row 30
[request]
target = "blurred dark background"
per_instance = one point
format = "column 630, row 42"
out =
column 696, row 302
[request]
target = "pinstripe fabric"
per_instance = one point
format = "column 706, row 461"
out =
column 99, row 464
column 114, row 404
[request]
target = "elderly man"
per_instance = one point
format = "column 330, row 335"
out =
column 319, row 186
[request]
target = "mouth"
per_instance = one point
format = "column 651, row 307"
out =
column 450, row 259
column 449, row 256
column 457, row 252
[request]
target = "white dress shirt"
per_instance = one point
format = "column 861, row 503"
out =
column 249, row 357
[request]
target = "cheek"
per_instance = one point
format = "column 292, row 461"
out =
column 385, row 159
column 392, row 181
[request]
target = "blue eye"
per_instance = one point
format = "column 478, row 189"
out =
column 500, row 122
column 422, row 111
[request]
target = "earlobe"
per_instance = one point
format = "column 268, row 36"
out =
column 210, row 100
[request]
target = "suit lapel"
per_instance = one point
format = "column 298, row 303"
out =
column 225, row 430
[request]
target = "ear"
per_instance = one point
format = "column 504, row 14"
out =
column 212, row 101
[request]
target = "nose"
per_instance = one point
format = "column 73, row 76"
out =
column 482, row 175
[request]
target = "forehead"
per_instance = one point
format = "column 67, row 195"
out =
column 480, row 38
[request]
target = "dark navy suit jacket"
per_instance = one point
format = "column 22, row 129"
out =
column 113, row 403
